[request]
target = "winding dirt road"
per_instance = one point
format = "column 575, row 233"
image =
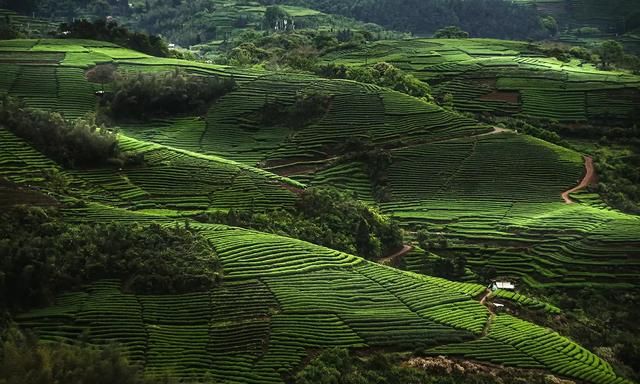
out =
column 589, row 178
column 390, row 260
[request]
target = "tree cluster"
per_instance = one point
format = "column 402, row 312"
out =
column 619, row 179
column 307, row 107
column 72, row 143
column 451, row 32
column 104, row 30
column 328, row 217
column 376, row 161
column 298, row 50
column 142, row 96
column 25, row 361
column 382, row 74
column 44, row 255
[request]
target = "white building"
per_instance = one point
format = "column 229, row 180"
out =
column 507, row 285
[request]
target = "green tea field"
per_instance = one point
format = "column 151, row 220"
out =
column 494, row 194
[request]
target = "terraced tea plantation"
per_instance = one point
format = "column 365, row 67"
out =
column 493, row 194
column 282, row 297
column 506, row 77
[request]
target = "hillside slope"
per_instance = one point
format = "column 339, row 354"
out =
column 498, row 192
column 282, row 298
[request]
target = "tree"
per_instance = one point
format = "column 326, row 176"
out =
column 273, row 15
column 451, row 32
column 444, row 267
column 102, row 73
column 101, row 8
column 610, row 52
column 459, row 264
column 550, row 24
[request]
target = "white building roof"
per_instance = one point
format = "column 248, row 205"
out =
column 505, row 285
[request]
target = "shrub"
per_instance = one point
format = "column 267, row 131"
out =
column 451, row 32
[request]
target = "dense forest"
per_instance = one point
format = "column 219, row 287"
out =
column 423, row 17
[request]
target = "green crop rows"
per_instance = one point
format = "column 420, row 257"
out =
column 282, row 309
column 478, row 72
column 494, row 195
column 512, row 341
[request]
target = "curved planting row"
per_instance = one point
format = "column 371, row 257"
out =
column 300, row 297
column 247, row 254
column 525, row 301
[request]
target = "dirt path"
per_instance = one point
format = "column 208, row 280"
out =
column 487, row 292
column 390, row 260
column 589, row 178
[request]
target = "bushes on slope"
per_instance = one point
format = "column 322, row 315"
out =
column 72, row 143
column 24, row 361
column 382, row 74
column 144, row 95
column 43, row 255
column 328, row 217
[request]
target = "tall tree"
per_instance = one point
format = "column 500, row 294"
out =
column 610, row 52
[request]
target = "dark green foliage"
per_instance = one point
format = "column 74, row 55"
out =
column 309, row 106
column 143, row 95
column 550, row 24
column 297, row 50
column 45, row 256
column 451, row 32
column 382, row 74
column 111, row 31
column 619, row 179
column 377, row 162
column 76, row 143
column 7, row 30
column 610, row 52
column 25, row 361
column 273, row 16
column 481, row 18
column 540, row 129
column 327, row 217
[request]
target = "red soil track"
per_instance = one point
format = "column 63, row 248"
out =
column 589, row 178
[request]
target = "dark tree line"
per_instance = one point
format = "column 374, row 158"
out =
column 110, row 31
column 481, row 18
column 44, row 255
column 142, row 95
column 72, row 143
column 25, row 360
column 327, row 217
